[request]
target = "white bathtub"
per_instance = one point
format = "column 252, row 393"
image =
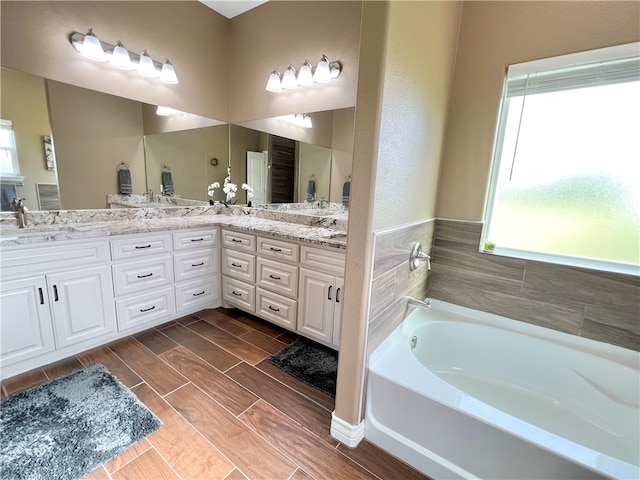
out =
column 482, row 396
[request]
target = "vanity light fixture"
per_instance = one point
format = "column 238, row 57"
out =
column 300, row 120
column 289, row 81
column 164, row 111
column 120, row 57
column 307, row 75
column 146, row 67
column 91, row 47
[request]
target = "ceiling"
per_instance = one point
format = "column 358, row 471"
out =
column 232, row 8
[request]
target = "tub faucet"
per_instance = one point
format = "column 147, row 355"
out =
column 414, row 302
column 18, row 206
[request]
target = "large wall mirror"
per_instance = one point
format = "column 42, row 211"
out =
column 70, row 143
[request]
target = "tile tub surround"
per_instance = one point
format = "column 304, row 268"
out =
column 70, row 225
column 392, row 279
column 598, row 305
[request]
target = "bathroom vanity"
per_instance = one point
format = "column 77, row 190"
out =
column 67, row 286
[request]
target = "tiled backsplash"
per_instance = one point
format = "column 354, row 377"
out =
column 392, row 279
column 598, row 305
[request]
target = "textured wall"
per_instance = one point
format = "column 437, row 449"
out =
column 414, row 108
column 277, row 34
column 597, row 305
column 494, row 35
column 35, row 39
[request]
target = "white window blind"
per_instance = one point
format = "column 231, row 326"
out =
column 9, row 167
column 606, row 66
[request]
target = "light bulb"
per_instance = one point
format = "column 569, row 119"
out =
column 164, row 111
column 168, row 74
column 306, row 122
column 322, row 73
column 146, row 66
column 289, row 78
column 305, row 75
column 273, row 84
column 120, row 57
column 92, row 48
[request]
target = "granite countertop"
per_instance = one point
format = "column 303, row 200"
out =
column 315, row 235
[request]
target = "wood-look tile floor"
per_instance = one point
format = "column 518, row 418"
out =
column 227, row 412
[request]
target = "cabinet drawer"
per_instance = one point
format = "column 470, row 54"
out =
column 53, row 255
column 188, row 265
column 276, row 308
column 133, row 277
column 189, row 239
column 140, row 247
column 239, row 265
column 198, row 294
column 239, row 294
column 145, row 309
column 322, row 260
column 278, row 249
column 239, row 241
column 279, row 277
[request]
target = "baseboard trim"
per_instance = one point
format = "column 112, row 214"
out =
column 349, row 435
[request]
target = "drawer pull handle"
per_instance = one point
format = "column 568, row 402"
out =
column 41, row 296
column 55, row 293
column 147, row 309
column 233, row 292
column 138, row 247
column 274, row 309
column 237, row 265
column 145, row 276
column 274, row 249
column 197, row 264
column 235, row 240
column 197, row 239
column 338, row 295
column 274, row 277
column 198, row 294
column 329, row 292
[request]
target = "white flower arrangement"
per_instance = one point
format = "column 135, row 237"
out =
column 249, row 191
column 230, row 189
column 211, row 190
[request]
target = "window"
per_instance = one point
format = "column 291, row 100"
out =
column 9, row 168
column 565, row 184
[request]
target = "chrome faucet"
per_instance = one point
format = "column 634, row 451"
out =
column 417, row 256
column 18, row 206
column 149, row 194
column 414, row 302
column 323, row 203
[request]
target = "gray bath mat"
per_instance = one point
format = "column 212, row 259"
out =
column 68, row 427
column 310, row 362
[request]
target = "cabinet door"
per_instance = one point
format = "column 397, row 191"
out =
column 26, row 330
column 337, row 311
column 316, row 304
column 82, row 305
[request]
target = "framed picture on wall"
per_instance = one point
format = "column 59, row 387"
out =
column 49, row 152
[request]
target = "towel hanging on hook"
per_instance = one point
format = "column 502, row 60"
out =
column 125, row 186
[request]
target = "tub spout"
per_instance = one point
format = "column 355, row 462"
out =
column 414, row 302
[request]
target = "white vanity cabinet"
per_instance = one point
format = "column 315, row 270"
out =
column 56, row 299
column 157, row 276
column 239, row 270
column 321, row 294
column 295, row 286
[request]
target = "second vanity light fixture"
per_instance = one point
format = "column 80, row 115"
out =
column 91, row 47
column 307, row 75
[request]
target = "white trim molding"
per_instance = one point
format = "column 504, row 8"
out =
column 349, row 435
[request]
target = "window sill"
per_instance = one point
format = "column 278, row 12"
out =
column 13, row 179
column 586, row 263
